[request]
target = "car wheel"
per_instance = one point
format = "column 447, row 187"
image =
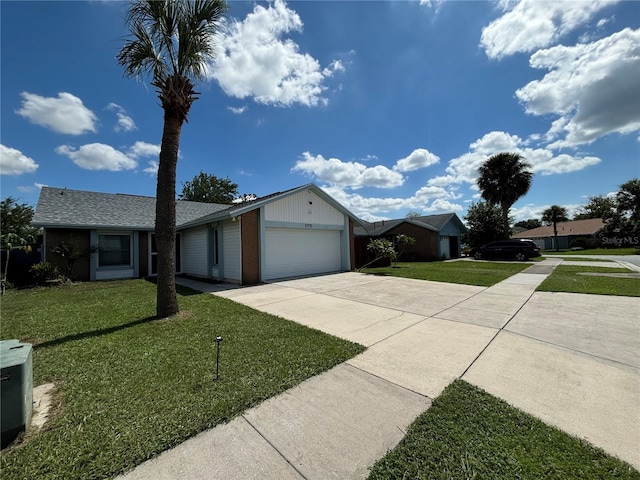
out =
column 477, row 256
column 521, row 257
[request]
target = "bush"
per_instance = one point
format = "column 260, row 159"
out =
column 44, row 272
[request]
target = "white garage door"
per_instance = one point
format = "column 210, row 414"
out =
column 291, row 252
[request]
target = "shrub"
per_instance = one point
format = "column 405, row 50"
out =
column 44, row 272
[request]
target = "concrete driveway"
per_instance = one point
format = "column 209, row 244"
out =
column 571, row 360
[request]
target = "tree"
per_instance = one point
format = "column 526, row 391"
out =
column 209, row 189
column 529, row 224
column 402, row 242
column 170, row 41
column 381, row 248
column 413, row 214
column 17, row 232
column 503, row 179
column 626, row 219
column 72, row 252
column 484, row 224
column 597, row 207
column 552, row 216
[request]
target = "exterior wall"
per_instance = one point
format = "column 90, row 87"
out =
column 232, row 251
column 194, row 251
column 250, row 233
column 304, row 208
column 426, row 247
column 81, row 238
column 143, row 248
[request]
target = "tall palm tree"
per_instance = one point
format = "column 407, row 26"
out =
column 504, row 178
column 170, row 41
column 552, row 216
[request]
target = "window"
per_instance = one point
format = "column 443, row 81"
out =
column 216, row 248
column 114, row 250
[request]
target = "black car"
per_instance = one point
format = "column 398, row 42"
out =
column 507, row 249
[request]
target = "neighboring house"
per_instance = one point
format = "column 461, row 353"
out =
column 437, row 237
column 301, row 231
column 567, row 232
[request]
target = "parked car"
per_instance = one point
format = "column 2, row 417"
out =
column 507, row 249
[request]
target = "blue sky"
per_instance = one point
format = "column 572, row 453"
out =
column 389, row 106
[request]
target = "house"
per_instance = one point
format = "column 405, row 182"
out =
column 301, row 231
column 437, row 237
column 567, row 232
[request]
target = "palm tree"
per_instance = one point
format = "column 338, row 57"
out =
column 552, row 216
column 504, row 178
column 170, row 41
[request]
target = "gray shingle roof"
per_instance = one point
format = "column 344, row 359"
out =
column 430, row 222
column 77, row 208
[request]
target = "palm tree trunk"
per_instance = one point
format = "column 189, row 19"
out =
column 555, row 236
column 167, row 301
column 505, row 221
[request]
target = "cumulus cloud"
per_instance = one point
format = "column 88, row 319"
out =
column 152, row 168
column 144, row 149
column 527, row 25
column 64, row 114
column 98, row 156
column 14, row 162
column 593, row 87
column 125, row 122
column 253, row 59
column 347, row 174
column 419, row 158
column 464, row 169
column 428, row 200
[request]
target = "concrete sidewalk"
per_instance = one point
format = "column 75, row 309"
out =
column 571, row 360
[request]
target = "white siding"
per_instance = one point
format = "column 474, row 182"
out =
column 231, row 251
column 194, row 251
column 303, row 207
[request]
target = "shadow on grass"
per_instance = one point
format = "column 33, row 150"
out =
column 180, row 289
column 91, row 334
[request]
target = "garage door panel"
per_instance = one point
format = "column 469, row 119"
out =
column 292, row 252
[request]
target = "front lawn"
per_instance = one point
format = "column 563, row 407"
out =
column 467, row 272
column 572, row 279
column 468, row 433
column 129, row 387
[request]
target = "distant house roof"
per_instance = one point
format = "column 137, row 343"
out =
column 430, row 222
column 576, row 227
column 64, row 208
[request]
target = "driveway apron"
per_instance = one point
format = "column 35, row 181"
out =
column 571, row 360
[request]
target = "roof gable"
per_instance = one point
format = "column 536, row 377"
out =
column 430, row 222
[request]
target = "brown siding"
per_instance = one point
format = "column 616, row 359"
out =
column 426, row 246
column 80, row 239
column 250, row 235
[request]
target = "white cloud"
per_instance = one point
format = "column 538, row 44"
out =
column 254, row 60
column 144, row 149
column 65, row 114
column 152, row 168
column 419, row 158
column 14, row 162
column 238, row 110
column 593, row 87
column 125, row 122
column 98, row 156
column 464, row 169
column 347, row 174
column 428, row 200
column 527, row 25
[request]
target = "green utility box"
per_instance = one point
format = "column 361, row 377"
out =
column 16, row 389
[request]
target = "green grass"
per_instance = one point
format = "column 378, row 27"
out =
column 129, row 387
column 566, row 278
column 483, row 274
column 594, row 251
column 468, row 433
